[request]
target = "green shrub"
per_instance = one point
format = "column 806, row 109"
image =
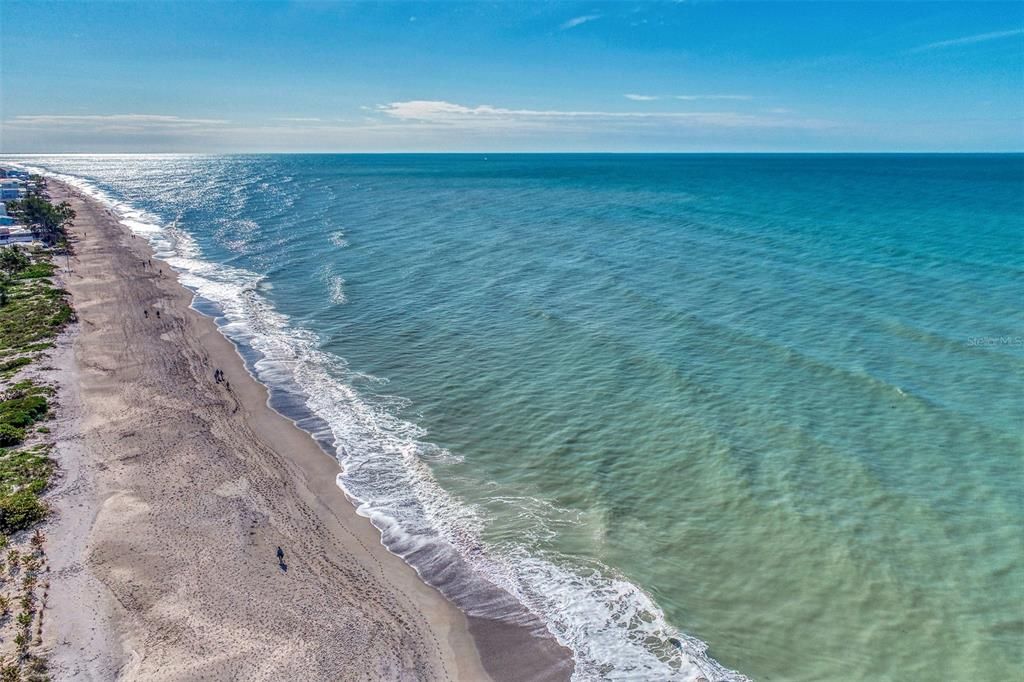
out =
column 22, row 411
column 11, row 366
column 15, row 363
column 10, row 435
column 13, row 259
column 20, row 510
column 35, row 271
column 28, row 469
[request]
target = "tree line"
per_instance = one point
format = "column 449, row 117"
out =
column 47, row 221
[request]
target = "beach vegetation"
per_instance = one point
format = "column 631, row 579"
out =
column 36, row 270
column 20, row 510
column 10, row 435
column 33, row 310
column 24, row 475
column 23, row 405
column 13, row 260
column 10, row 367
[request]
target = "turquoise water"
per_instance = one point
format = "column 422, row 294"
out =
column 767, row 404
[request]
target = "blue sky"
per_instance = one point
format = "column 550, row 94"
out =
column 476, row 76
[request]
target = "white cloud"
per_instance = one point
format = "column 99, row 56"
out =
column 579, row 21
column 642, row 98
column 970, row 40
column 448, row 114
column 694, row 98
column 299, row 119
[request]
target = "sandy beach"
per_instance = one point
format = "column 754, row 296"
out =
column 177, row 490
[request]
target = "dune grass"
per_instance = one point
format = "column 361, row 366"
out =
column 33, row 310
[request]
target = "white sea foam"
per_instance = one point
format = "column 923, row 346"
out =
column 614, row 628
column 338, row 239
column 335, row 285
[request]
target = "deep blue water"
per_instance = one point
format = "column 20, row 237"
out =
column 771, row 403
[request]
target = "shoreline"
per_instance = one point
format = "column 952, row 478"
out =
column 177, row 460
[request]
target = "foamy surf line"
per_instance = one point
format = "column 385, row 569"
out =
column 614, row 629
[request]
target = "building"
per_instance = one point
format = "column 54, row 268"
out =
column 5, row 219
column 10, row 189
column 15, row 235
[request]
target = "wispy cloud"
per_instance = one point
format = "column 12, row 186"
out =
column 579, row 21
column 969, row 40
column 485, row 116
column 142, row 132
column 642, row 98
column 424, row 125
column 140, row 120
column 694, row 98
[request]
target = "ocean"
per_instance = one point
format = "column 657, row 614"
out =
column 701, row 415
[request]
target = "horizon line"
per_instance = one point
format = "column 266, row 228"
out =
column 519, row 153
